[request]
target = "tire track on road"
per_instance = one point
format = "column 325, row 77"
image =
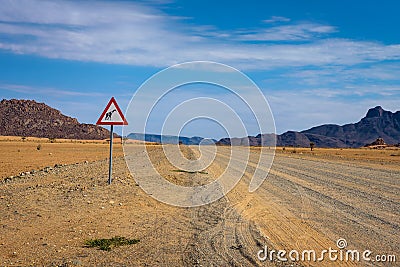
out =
column 325, row 204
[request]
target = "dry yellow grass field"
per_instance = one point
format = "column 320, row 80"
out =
column 389, row 158
column 21, row 156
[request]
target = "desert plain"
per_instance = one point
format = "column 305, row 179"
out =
column 54, row 197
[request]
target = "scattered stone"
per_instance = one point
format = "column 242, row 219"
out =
column 76, row 262
column 236, row 247
column 86, row 162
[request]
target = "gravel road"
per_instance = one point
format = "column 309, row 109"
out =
column 305, row 203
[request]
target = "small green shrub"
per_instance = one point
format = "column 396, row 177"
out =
column 108, row 243
column 312, row 145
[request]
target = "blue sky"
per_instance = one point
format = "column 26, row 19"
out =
column 315, row 61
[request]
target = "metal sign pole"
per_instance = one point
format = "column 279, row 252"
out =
column 110, row 160
column 107, row 118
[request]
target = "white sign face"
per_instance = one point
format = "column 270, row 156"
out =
column 112, row 115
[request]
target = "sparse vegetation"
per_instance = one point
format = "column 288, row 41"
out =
column 108, row 243
column 312, row 145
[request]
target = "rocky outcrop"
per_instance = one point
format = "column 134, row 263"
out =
column 377, row 142
column 30, row 118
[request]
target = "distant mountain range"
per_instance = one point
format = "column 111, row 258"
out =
column 170, row 139
column 30, row 118
column 378, row 123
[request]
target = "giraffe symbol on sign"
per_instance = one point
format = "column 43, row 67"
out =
column 108, row 115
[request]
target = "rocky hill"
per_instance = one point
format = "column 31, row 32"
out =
column 30, row 118
column 378, row 123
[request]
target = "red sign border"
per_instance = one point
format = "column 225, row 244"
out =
column 124, row 122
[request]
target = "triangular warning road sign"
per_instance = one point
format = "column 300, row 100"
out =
column 112, row 115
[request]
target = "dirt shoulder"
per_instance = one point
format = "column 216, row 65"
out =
column 46, row 217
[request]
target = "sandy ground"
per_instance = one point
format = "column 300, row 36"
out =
column 17, row 157
column 307, row 202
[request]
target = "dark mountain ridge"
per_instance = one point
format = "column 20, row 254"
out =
column 378, row 123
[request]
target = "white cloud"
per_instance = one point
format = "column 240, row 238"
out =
column 355, row 91
column 297, row 32
column 135, row 34
column 372, row 78
column 35, row 90
column 131, row 33
column 275, row 19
